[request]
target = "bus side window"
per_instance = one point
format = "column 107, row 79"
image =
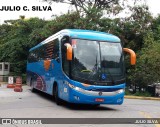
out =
column 65, row 62
column 56, row 50
column 52, row 50
column 48, row 51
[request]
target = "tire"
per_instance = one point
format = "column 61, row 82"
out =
column 32, row 87
column 57, row 99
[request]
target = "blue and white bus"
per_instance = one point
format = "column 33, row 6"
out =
column 79, row 66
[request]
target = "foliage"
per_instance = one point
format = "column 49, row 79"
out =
column 135, row 27
column 140, row 93
column 147, row 70
column 127, row 92
column 86, row 4
column 109, row 7
column 156, row 27
column 17, row 37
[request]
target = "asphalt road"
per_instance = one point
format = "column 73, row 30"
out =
column 38, row 105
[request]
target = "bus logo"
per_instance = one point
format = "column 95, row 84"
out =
column 100, row 93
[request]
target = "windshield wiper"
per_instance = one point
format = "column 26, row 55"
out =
column 95, row 69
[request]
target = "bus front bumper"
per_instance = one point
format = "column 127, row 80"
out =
column 78, row 95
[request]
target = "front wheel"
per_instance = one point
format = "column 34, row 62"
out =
column 57, row 99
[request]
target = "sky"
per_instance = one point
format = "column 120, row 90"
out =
column 6, row 15
column 56, row 9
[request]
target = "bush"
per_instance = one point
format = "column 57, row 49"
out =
column 145, row 94
column 127, row 92
column 138, row 93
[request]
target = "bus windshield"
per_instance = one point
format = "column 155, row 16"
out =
column 97, row 61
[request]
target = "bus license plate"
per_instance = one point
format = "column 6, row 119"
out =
column 99, row 100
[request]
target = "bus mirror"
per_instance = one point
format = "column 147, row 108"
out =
column 69, row 51
column 132, row 55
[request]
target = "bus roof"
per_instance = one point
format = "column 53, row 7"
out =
column 82, row 34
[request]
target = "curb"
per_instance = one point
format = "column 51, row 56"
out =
column 142, row 98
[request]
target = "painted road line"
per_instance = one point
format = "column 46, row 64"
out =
column 147, row 115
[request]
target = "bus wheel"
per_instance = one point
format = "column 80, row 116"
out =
column 32, row 85
column 57, row 99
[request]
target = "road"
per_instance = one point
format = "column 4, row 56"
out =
column 38, row 105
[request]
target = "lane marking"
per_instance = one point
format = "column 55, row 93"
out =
column 147, row 115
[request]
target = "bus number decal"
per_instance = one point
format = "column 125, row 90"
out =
column 65, row 90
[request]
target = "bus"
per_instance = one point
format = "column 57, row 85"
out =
column 79, row 66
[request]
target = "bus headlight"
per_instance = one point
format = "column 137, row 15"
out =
column 71, row 86
column 78, row 89
column 120, row 91
column 75, row 87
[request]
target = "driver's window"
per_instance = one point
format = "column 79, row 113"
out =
column 65, row 62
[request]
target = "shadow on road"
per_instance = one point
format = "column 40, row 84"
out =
column 72, row 106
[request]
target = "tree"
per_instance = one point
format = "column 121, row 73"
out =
column 110, row 7
column 156, row 27
column 134, row 27
column 16, row 40
column 86, row 4
column 147, row 70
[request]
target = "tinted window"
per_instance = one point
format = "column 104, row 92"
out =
column 52, row 49
column 65, row 62
column 46, row 51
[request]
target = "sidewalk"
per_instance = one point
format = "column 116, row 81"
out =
column 142, row 98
